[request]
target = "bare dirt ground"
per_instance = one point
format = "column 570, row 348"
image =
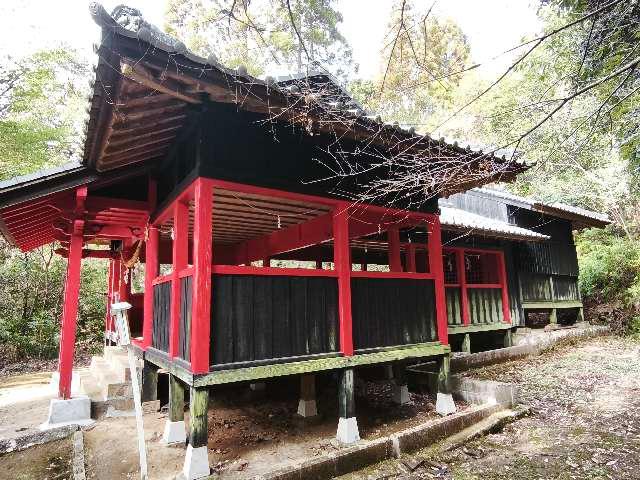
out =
column 51, row 461
column 585, row 421
column 251, row 433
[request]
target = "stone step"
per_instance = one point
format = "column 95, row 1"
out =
column 490, row 424
column 90, row 387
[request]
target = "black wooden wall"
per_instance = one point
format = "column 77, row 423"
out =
column 161, row 316
column 270, row 317
column 388, row 312
column 184, row 335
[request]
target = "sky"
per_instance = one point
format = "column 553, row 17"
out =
column 491, row 26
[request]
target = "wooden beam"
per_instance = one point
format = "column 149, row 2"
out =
column 70, row 311
column 342, row 262
column 202, row 263
column 143, row 76
column 436, row 268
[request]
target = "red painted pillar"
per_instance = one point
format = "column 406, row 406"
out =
column 436, row 268
column 502, row 276
column 342, row 262
column 150, row 273
column 107, row 318
column 395, row 262
column 70, row 310
column 266, row 262
column 180, row 253
column 202, row 260
column 411, row 257
column 462, row 280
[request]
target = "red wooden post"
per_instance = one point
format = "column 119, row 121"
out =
column 502, row 277
column 462, row 280
column 107, row 318
column 411, row 258
column 150, row 272
column 70, row 310
column 395, row 263
column 202, row 261
column 266, row 262
column 180, row 253
column 342, row 262
column 436, row 268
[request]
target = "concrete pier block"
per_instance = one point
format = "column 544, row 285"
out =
column 174, row 432
column 348, row 430
column 445, row 404
column 196, row 463
column 74, row 411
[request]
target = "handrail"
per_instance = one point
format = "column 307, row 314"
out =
column 162, row 279
column 398, row 275
column 271, row 271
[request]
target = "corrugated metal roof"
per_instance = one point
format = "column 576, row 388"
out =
column 534, row 204
column 457, row 219
column 40, row 175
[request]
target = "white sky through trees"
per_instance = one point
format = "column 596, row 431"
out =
column 491, row 26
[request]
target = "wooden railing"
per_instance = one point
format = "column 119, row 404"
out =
column 389, row 310
column 161, row 314
column 260, row 315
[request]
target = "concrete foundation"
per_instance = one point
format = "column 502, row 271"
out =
column 196, row 463
column 307, row 408
column 445, row 404
column 74, row 411
column 174, row 432
column 348, row 430
column 401, row 394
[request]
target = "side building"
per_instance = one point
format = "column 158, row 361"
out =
column 493, row 239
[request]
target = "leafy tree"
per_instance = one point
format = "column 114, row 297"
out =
column 262, row 34
column 418, row 52
column 41, row 104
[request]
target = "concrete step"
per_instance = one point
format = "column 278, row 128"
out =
column 116, row 390
column 90, row 387
column 492, row 423
column 111, row 353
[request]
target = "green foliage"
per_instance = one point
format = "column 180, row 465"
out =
column 609, row 266
column 31, row 302
column 41, row 104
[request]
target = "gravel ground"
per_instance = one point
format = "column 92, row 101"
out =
column 585, row 421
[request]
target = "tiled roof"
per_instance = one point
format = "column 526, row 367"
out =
column 453, row 218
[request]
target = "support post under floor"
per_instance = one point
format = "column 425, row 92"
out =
column 174, row 429
column 444, row 399
column 196, row 462
column 347, row 423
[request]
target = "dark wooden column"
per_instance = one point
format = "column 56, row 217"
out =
column 444, row 399
column 149, row 382
column 176, row 399
column 198, row 406
column 346, row 398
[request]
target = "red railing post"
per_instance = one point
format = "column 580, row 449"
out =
column 342, row 262
column 180, row 253
column 436, row 268
column 502, row 276
column 70, row 310
column 150, row 272
column 202, row 263
column 462, row 280
column 395, row 263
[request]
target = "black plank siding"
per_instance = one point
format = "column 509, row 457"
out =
column 388, row 312
column 185, row 319
column 265, row 317
column 161, row 316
